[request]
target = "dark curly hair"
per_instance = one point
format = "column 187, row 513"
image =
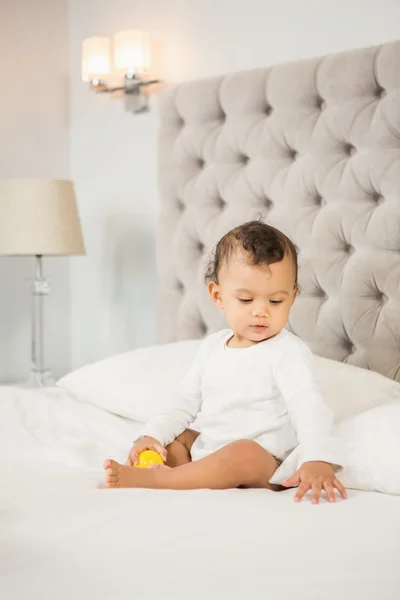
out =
column 264, row 245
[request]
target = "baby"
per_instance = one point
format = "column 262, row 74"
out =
column 253, row 383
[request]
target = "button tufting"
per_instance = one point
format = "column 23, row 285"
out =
column 381, row 297
column 203, row 328
column 378, row 198
column 350, row 149
column 268, row 203
column 318, row 292
column 220, row 202
column 349, row 346
column 222, row 114
column 357, row 235
column 380, row 92
column 348, row 248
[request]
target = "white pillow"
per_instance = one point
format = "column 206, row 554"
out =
column 137, row 384
column 372, row 442
column 349, row 390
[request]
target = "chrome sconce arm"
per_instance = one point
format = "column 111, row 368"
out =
column 134, row 86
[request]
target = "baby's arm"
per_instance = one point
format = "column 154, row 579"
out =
column 185, row 405
column 171, row 422
column 320, row 454
column 310, row 416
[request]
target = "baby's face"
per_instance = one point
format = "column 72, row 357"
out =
column 256, row 299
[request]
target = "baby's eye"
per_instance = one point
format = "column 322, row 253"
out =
column 245, row 300
column 276, row 301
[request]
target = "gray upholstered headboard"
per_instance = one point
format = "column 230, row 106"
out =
column 313, row 147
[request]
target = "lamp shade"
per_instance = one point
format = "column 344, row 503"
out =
column 132, row 51
column 96, row 52
column 39, row 217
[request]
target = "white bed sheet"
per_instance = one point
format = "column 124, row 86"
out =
column 63, row 537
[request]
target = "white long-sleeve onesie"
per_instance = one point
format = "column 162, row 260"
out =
column 266, row 393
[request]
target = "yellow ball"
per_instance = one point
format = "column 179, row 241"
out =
column 147, row 458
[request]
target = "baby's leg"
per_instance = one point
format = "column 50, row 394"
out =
column 178, row 452
column 242, row 463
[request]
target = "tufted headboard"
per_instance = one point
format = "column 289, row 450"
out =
column 314, row 148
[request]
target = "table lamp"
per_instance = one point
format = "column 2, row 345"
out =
column 39, row 217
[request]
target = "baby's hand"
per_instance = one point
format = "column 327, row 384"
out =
column 316, row 476
column 147, row 443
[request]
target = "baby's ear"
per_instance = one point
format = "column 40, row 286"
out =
column 296, row 292
column 215, row 294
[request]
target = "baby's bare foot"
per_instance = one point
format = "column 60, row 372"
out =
column 123, row 476
column 119, row 475
column 158, row 467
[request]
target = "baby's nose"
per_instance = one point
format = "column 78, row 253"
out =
column 260, row 311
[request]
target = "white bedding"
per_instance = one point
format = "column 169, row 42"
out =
column 61, row 537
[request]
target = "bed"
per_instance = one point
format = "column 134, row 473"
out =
column 314, row 148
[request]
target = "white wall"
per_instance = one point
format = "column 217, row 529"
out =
column 34, row 142
column 113, row 154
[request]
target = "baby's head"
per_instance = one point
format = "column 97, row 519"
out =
column 253, row 278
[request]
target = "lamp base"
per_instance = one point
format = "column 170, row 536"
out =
column 39, row 379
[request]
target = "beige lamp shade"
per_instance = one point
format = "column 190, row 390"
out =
column 132, row 51
column 96, row 53
column 39, row 217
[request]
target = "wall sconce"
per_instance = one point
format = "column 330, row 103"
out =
column 131, row 57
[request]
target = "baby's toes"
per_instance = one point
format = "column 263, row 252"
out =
column 108, row 463
column 111, row 481
column 111, row 478
column 112, row 469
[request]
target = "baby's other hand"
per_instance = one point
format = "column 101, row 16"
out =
column 147, row 443
column 316, row 476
